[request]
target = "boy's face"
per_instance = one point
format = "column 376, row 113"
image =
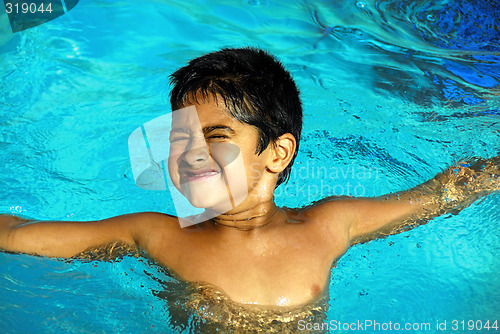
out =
column 212, row 159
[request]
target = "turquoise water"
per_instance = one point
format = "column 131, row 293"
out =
column 393, row 91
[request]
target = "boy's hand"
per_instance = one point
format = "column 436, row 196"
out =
column 467, row 181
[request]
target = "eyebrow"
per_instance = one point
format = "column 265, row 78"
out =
column 209, row 129
column 206, row 130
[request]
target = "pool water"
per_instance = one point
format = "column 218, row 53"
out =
column 394, row 92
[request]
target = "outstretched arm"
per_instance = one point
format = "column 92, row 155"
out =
column 66, row 239
column 450, row 191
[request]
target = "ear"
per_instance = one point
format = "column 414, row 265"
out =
column 283, row 151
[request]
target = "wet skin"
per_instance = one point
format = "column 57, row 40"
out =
column 256, row 252
column 282, row 263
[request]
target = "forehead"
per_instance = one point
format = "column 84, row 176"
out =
column 205, row 113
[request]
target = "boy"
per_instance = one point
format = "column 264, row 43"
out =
column 244, row 101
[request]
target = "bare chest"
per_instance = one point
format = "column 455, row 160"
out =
column 263, row 274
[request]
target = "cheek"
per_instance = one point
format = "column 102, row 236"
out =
column 173, row 172
column 174, row 156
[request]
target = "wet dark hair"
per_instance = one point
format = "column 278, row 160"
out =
column 256, row 89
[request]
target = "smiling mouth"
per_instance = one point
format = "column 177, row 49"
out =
column 193, row 175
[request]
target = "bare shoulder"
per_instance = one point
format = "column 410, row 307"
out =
column 337, row 209
column 140, row 222
column 163, row 238
column 333, row 216
column 157, row 219
column 151, row 225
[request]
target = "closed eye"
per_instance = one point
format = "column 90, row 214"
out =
column 218, row 132
column 218, row 137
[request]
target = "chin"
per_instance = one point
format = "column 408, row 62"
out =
column 201, row 203
column 208, row 198
column 217, row 208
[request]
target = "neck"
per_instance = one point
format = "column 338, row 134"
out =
column 256, row 217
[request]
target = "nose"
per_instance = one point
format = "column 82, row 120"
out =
column 197, row 153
